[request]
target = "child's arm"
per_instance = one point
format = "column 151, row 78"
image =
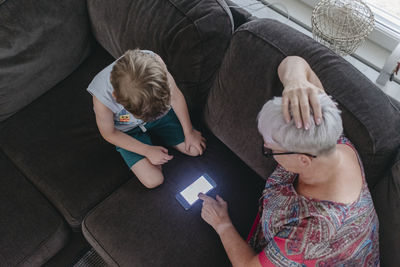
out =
column 104, row 118
column 178, row 103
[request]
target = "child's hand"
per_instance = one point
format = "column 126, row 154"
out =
column 196, row 140
column 157, row 155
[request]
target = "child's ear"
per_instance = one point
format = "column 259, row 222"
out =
column 113, row 95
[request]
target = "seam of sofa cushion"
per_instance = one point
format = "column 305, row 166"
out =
column 230, row 18
column 61, row 227
column 198, row 33
column 227, row 12
column 60, row 206
column 190, row 19
column 243, row 28
column 86, row 231
column 397, row 158
column 57, row 205
column 36, row 185
column 391, row 101
column 85, row 228
column 66, row 214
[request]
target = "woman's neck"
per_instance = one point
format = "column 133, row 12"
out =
column 337, row 177
column 319, row 180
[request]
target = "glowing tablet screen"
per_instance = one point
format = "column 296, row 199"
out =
column 200, row 185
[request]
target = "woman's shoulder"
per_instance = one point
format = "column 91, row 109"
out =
column 344, row 140
column 280, row 176
column 287, row 211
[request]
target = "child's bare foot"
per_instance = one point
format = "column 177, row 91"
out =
column 192, row 150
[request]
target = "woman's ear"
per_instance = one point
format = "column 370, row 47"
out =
column 305, row 161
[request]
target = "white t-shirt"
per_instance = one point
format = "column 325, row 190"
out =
column 102, row 89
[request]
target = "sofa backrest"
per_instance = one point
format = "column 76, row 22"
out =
column 248, row 78
column 42, row 42
column 190, row 36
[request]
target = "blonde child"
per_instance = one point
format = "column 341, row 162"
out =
column 135, row 96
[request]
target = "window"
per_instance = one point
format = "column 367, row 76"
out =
column 387, row 17
column 387, row 21
column 387, row 13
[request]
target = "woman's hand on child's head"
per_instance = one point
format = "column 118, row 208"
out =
column 157, row 155
column 195, row 140
column 215, row 213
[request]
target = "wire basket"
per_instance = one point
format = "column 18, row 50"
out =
column 342, row 25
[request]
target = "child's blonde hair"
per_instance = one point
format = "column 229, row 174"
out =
column 141, row 85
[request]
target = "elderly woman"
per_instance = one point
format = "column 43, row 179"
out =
column 316, row 209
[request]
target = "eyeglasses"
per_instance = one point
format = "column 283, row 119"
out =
column 268, row 153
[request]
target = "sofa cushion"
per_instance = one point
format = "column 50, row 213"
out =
column 42, row 42
column 31, row 230
column 56, row 144
column 190, row 35
column 140, row 227
column 248, row 78
column 386, row 195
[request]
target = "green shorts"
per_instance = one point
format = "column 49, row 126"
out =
column 167, row 128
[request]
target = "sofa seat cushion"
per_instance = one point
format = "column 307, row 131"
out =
column 190, row 35
column 42, row 42
column 31, row 230
column 56, row 144
column 140, row 227
column 248, row 78
column 386, row 195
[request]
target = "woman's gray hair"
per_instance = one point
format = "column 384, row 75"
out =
column 317, row 140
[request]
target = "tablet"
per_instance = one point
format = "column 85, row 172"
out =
column 188, row 196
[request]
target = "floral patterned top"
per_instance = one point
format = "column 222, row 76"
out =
column 293, row 230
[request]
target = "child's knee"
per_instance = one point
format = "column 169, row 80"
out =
column 152, row 180
column 148, row 174
column 193, row 152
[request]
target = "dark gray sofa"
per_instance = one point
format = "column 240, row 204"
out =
column 65, row 190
